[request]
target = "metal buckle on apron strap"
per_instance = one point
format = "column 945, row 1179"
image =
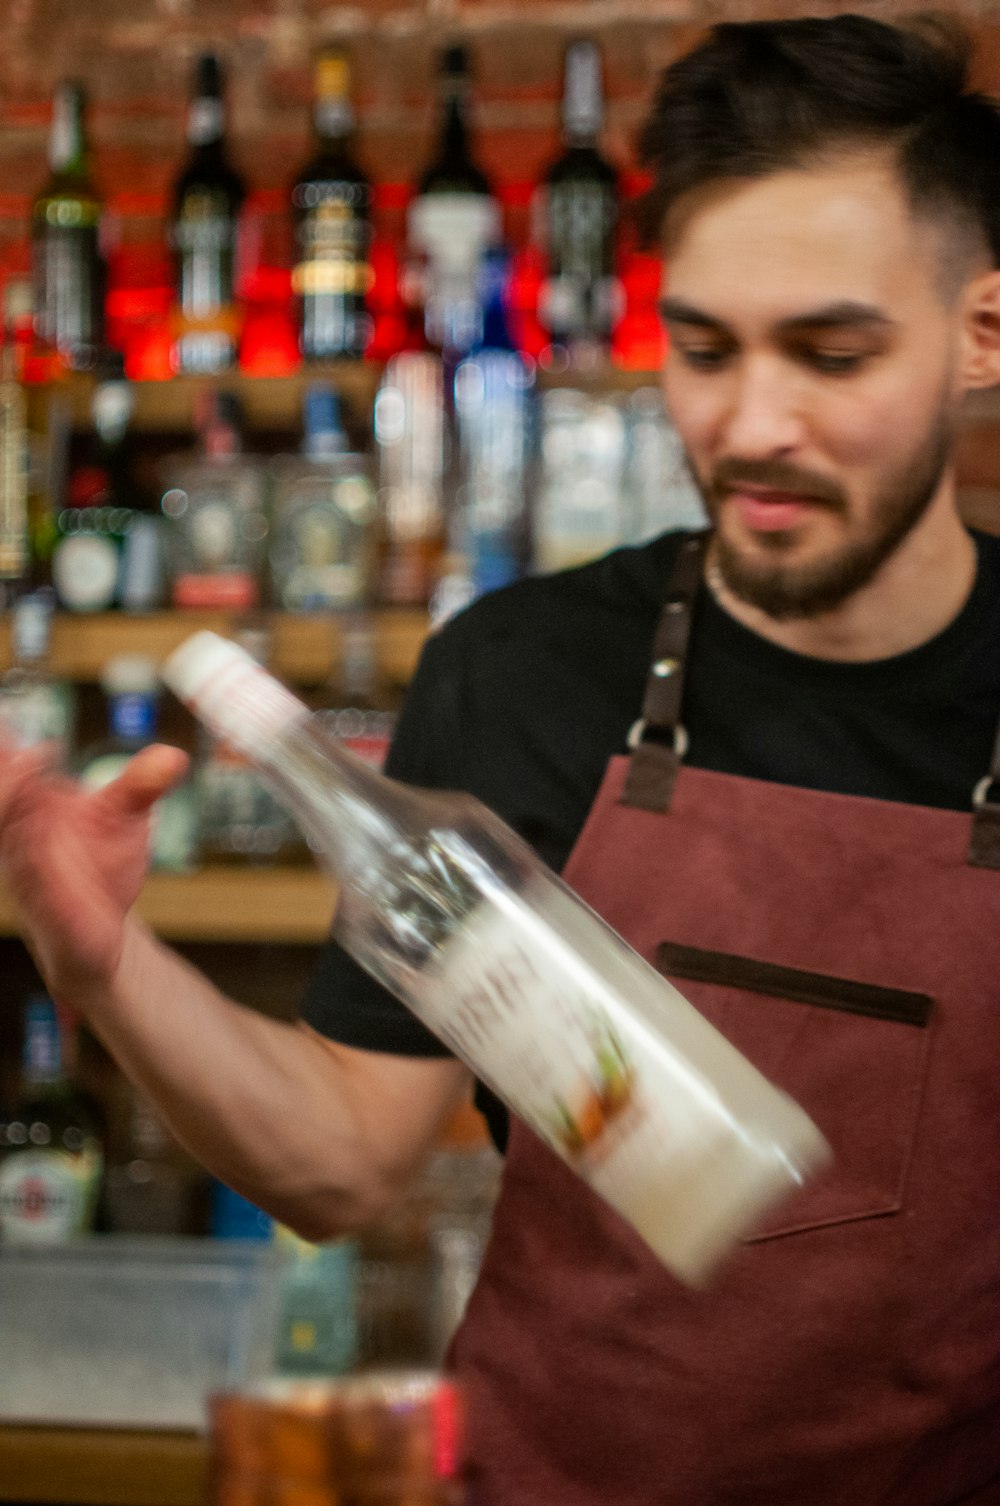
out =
column 984, row 848
column 637, row 732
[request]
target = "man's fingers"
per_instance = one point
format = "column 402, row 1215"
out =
column 148, row 776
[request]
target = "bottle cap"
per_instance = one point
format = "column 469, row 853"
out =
column 129, row 674
column 237, row 700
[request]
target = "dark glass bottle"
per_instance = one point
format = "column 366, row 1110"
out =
column 580, row 214
column 331, row 202
column 69, row 277
column 453, row 219
column 208, row 197
column 51, row 1156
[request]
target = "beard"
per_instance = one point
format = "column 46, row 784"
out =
column 783, row 590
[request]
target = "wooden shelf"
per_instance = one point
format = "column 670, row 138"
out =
column 306, row 647
column 279, row 905
column 268, row 402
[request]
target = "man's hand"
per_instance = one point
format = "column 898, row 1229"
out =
column 75, row 861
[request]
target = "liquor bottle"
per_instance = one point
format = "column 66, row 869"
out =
column 69, row 274
column 51, row 1158
column 207, row 199
column 239, row 818
column 352, row 713
column 216, row 505
column 331, row 203
column 452, row 220
column 151, row 1187
column 580, row 212
column 86, row 559
column 495, row 417
column 580, row 508
column 323, row 533
column 410, row 434
column 15, row 554
column 35, row 706
column 130, row 684
column 583, row 1040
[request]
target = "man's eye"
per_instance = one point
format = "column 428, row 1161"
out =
column 704, row 357
column 835, row 362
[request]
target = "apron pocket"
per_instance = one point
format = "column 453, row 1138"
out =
column 853, row 1054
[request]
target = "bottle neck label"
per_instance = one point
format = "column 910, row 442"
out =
column 238, row 701
column 206, row 121
column 333, row 118
column 583, row 105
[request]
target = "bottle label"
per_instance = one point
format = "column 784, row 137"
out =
column 46, row 1196
column 575, row 1033
column 68, row 297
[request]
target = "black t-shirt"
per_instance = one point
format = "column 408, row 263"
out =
column 523, row 698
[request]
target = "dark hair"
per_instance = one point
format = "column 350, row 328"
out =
column 761, row 96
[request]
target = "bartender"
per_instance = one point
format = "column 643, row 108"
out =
column 769, row 757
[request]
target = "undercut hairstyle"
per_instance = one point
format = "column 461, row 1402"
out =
column 761, row 97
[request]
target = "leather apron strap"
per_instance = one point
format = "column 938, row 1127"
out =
column 658, row 740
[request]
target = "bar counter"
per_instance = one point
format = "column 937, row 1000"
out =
column 102, row 1467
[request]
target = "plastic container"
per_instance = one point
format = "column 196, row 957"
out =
column 130, row 1331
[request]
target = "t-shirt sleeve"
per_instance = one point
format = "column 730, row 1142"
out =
column 343, row 1001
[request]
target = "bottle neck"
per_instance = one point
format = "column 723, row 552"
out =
column 583, row 101
column 333, row 120
column 43, row 1054
column 67, row 141
column 206, row 123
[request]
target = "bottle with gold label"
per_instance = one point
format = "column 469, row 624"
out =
column 331, row 202
column 208, row 197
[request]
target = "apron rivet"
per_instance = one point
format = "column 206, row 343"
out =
column 664, row 668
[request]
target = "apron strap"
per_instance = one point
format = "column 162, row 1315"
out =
column 984, row 848
column 658, row 740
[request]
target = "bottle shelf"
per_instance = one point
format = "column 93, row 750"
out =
column 306, row 647
column 275, row 403
column 223, row 904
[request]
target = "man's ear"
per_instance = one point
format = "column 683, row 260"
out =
column 980, row 366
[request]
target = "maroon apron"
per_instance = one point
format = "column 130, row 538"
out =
column 849, row 1353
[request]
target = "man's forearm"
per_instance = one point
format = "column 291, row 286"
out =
column 267, row 1106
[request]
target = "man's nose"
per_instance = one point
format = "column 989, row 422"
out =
column 763, row 417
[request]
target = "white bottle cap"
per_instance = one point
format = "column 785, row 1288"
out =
column 237, row 700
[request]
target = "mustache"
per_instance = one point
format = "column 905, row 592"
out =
column 732, row 473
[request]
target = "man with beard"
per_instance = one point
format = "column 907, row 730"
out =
column 769, row 757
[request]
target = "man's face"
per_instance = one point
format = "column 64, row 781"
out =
column 812, row 375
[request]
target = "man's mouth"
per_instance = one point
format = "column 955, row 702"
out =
column 764, row 510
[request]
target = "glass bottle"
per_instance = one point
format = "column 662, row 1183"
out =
column 52, row 1157
column 69, row 274
column 323, row 532
column 129, row 682
column 580, row 213
column 207, row 198
column 410, row 437
column 331, row 203
column 216, row 505
column 151, row 1187
column 239, row 818
column 15, row 554
column 452, row 220
column 35, row 706
column 584, row 1041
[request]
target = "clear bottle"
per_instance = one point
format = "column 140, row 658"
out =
column 239, row 818
column 35, row 705
column 579, row 204
column 452, row 220
column 207, row 199
column 582, row 1039
column 331, row 204
column 216, row 505
column 130, row 683
column 411, row 439
column 322, row 553
column 69, row 273
column 51, row 1157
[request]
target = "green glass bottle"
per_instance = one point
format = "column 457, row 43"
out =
column 69, row 275
column 50, row 1154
